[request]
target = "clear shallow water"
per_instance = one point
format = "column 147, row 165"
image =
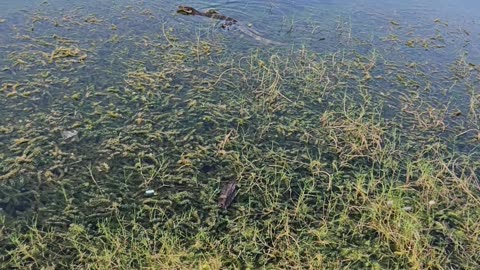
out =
column 449, row 27
column 303, row 22
column 431, row 36
column 329, row 25
column 175, row 104
column 298, row 21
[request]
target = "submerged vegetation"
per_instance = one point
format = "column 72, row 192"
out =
column 341, row 160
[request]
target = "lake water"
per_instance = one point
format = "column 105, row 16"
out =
column 113, row 111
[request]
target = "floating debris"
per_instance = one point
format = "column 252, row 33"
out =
column 67, row 135
column 229, row 191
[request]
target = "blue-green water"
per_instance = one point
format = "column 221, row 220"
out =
column 424, row 52
column 302, row 22
column 101, row 101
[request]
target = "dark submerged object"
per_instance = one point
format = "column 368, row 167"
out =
column 210, row 13
column 228, row 193
column 227, row 23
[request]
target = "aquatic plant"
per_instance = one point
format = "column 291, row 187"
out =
column 341, row 160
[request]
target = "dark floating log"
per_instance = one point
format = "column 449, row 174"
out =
column 229, row 191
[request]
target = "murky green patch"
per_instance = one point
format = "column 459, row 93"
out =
column 117, row 138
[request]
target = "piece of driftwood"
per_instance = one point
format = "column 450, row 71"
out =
column 228, row 193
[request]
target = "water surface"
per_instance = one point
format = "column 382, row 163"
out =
column 101, row 101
